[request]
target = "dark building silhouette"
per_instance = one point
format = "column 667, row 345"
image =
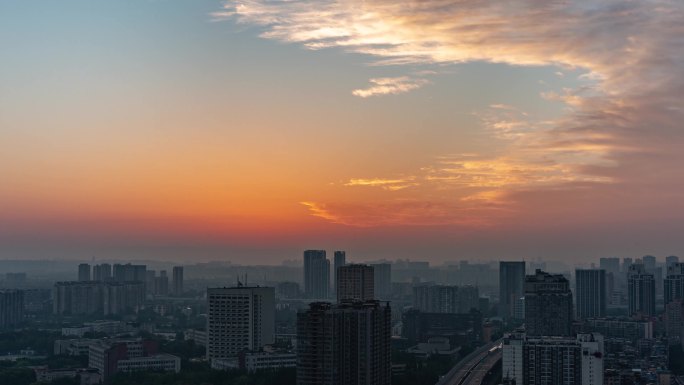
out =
column 460, row 329
column 674, row 283
column 102, row 272
column 445, row 299
column 548, row 305
column 347, row 343
column 511, row 287
column 84, row 272
column 641, row 291
column 590, row 293
column 339, row 259
column 316, row 274
column 178, row 281
column 11, row 308
column 355, row 282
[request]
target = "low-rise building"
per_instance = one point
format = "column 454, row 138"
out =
column 253, row 361
column 111, row 356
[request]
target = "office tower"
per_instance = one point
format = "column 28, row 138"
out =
column 102, row 272
column 590, row 293
column 548, row 305
column 511, row 286
column 84, row 272
column 383, row 280
column 239, row 318
column 178, row 281
column 355, row 282
column 610, row 265
column 347, row 343
column 161, row 284
column 553, row 360
column 11, row 308
column 316, row 274
column 649, row 262
column 641, row 291
column 671, row 260
column 339, row 259
column 626, row 263
column 674, row 283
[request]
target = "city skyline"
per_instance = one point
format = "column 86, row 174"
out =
column 249, row 131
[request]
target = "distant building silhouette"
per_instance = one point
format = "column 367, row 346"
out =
column 178, row 281
column 84, row 272
column 11, row 308
column 339, row 260
column 316, row 274
column 641, row 291
column 355, row 282
column 511, row 287
column 590, row 292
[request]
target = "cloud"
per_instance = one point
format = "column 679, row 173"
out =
column 390, row 86
column 620, row 132
column 387, row 184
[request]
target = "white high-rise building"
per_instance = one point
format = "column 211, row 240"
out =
column 239, row 318
column 553, row 360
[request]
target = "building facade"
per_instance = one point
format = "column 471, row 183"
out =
column 11, row 308
column 316, row 274
column 548, row 305
column 355, row 282
column 239, row 318
column 346, row 343
column 511, row 286
column 591, row 293
column 641, row 291
column 178, row 281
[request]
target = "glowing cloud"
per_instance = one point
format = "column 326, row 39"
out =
column 390, row 86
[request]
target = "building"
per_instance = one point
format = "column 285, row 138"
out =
column 178, row 281
column 511, row 286
column 610, row 265
column 92, row 297
column 641, row 291
column 199, row 336
column 382, row 276
column 355, row 282
column 674, row 321
column 253, row 361
column 316, row 274
column 459, row 329
column 445, row 299
column 84, row 272
column 108, row 327
column 548, row 305
column 347, row 343
column 112, row 356
column 591, row 293
column 288, row 290
column 161, row 284
column 129, row 273
column 102, row 272
column 239, row 318
column 671, row 260
column 75, row 347
column 553, row 360
column 674, row 283
column 622, row 328
column 11, row 308
column 339, row 260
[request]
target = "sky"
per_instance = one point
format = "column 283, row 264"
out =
column 251, row 130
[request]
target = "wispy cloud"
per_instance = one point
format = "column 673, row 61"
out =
column 390, row 86
column 621, row 129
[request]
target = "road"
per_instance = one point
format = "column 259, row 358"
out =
column 474, row 367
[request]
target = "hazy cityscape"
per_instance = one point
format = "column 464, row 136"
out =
column 331, row 318
column 341, row 192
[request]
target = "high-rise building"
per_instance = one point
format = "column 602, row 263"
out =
column 355, row 282
column 91, row 297
column 11, row 308
column 339, row 259
column 674, row 321
column 347, row 343
column 649, row 262
column 548, row 305
column 445, row 299
column 316, row 274
column 129, row 273
column 553, row 360
column 383, row 280
column 84, row 272
column 102, row 272
column 239, row 318
column 511, row 286
column 178, row 281
column 610, row 265
column 671, row 260
column 641, row 291
column 674, row 283
column 161, row 284
column 626, row 263
column 590, row 293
